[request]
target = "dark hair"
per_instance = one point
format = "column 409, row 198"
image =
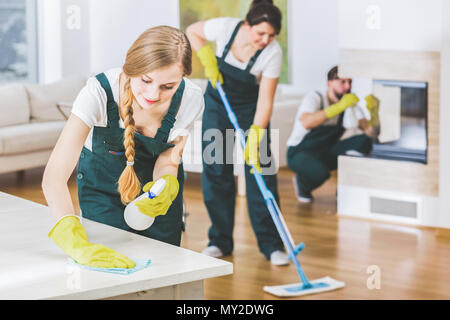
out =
column 333, row 73
column 264, row 11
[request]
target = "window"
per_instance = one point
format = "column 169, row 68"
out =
column 18, row 45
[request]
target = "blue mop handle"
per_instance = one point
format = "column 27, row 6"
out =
column 232, row 116
column 267, row 195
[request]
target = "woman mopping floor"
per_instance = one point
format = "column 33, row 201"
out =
column 248, row 64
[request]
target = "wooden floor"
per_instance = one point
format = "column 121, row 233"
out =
column 413, row 262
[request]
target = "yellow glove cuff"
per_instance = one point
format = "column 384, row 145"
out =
column 206, row 56
column 257, row 130
column 347, row 101
column 62, row 223
column 251, row 152
column 331, row 112
column 209, row 62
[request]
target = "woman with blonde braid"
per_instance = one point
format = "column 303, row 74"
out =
column 128, row 125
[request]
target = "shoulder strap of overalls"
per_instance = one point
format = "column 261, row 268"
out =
column 230, row 43
column 253, row 60
column 169, row 119
column 321, row 99
column 341, row 116
column 111, row 105
column 341, row 119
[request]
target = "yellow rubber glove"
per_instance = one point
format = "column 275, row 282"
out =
column 251, row 152
column 160, row 204
column 209, row 61
column 69, row 234
column 348, row 100
column 373, row 105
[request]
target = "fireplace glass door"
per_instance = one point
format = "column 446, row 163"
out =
column 403, row 120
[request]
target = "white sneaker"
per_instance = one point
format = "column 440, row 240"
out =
column 354, row 153
column 279, row 258
column 213, row 251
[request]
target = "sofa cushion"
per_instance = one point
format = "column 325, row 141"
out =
column 14, row 108
column 43, row 98
column 29, row 137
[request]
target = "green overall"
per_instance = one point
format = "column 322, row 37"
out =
column 218, row 184
column 316, row 155
column 99, row 171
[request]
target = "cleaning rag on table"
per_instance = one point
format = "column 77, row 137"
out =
column 140, row 265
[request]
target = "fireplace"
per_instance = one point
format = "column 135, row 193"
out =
column 403, row 120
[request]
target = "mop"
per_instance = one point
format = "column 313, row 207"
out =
column 305, row 286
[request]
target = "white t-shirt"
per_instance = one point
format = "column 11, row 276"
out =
column 269, row 61
column 90, row 106
column 311, row 103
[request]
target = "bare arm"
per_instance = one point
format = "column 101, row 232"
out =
column 196, row 35
column 264, row 107
column 311, row 120
column 169, row 160
column 60, row 166
column 311, row 116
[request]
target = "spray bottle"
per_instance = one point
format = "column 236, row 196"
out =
column 136, row 219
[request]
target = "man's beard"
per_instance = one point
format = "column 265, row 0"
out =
column 338, row 96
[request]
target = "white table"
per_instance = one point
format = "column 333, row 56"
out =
column 33, row 267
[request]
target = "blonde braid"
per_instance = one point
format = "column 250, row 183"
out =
column 129, row 185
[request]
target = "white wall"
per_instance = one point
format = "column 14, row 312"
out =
column 75, row 32
column 63, row 39
column 313, row 43
column 390, row 25
column 444, row 137
column 115, row 24
column 49, row 40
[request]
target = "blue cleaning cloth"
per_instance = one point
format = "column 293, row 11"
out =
column 140, row 264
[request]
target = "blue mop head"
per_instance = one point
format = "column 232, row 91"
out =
column 140, row 264
column 298, row 289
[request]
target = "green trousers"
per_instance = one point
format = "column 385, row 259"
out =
column 313, row 166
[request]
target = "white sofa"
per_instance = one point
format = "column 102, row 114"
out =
column 31, row 122
column 283, row 115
